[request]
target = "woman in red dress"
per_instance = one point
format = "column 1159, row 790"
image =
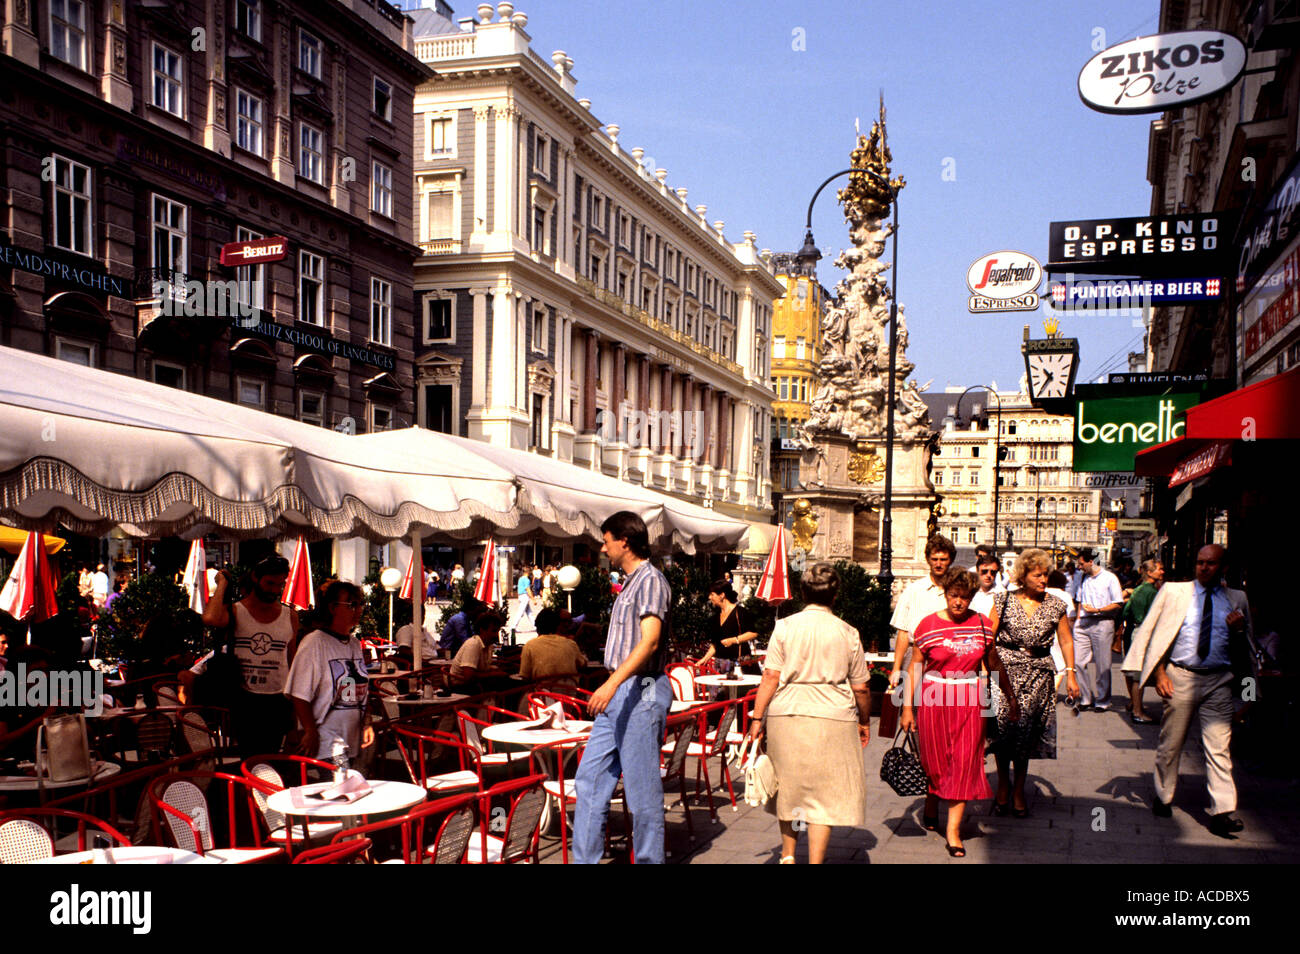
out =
column 952, row 646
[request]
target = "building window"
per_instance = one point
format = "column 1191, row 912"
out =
column 975, row 451
column 778, row 346
column 440, row 138
column 381, row 311
column 438, row 408
column 250, row 392
column 248, row 18
column 670, row 313
column 648, row 300
column 248, row 122
column 251, row 278
column 971, row 535
column 597, row 211
column 168, row 374
column 168, row 86
column 68, row 32
column 381, row 418
column 439, row 224
column 382, row 100
column 624, row 283
column 624, row 230
column 1011, row 427
column 381, row 191
column 596, row 268
column 437, row 319
column 539, row 327
column 542, row 155
column 784, row 392
column 541, row 234
column 311, row 164
column 170, row 236
column 938, row 478
column 974, row 478
column 311, row 408
column 74, row 352
column 956, row 478
column 309, row 53
column 800, row 348
column 311, row 288
column 73, row 210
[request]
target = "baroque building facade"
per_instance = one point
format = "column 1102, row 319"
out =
column 568, row 300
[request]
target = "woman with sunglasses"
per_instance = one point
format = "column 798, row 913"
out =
column 327, row 682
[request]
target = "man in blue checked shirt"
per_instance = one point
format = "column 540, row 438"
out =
column 631, row 707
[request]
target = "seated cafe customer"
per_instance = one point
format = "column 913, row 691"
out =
column 552, row 655
column 472, row 668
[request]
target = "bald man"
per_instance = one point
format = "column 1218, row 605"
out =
column 1182, row 648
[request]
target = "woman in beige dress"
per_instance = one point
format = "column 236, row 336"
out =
column 814, row 707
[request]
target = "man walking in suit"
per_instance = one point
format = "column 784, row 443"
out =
column 1183, row 647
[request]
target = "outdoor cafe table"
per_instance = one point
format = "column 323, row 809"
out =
column 384, row 797
column 745, row 680
column 517, row 733
column 99, row 770
column 131, row 855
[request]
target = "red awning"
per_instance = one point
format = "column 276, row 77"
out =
column 1160, row 460
column 1263, row 411
column 1205, row 461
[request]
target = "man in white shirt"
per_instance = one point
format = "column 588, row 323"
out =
column 99, row 585
column 1099, row 599
column 918, row 600
column 988, row 570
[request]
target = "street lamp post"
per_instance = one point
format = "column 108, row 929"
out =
column 997, row 451
column 808, row 256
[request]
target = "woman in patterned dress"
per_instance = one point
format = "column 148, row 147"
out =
column 952, row 645
column 1024, row 622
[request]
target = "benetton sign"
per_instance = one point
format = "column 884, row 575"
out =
column 237, row 254
column 1165, row 71
column 1167, row 245
column 1108, row 432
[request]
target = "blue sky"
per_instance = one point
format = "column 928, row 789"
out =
column 718, row 94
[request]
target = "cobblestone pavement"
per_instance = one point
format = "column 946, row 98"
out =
column 1090, row 805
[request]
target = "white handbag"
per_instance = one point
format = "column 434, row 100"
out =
column 62, row 750
column 760, row 778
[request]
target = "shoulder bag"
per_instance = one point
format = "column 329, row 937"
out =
column 62, row 750
column 760, row 778
column 901, row 767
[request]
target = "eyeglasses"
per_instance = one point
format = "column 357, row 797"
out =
column 348, row 605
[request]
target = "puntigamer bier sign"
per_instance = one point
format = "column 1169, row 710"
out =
column 1165, row 71
column 1108, row 432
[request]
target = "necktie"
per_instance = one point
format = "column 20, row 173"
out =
column 1207, row 625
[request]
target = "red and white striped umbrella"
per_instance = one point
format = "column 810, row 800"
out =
column 298, row 591
column 195, row 580
column 30, row 589
column 414, row 571
column 774, row 585
column 488, row 589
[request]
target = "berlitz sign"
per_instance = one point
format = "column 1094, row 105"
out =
column 1165, row 71
column 1171, row 246
column 1109, row 432
column 1004, row 281
column 238, row 254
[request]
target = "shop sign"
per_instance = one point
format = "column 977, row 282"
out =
column 1130, row 294
column 1272, row 304
column 1157, row 377
column 1004, row 281
column 1136, row 525
column 316, row 341
column 257, row 252
column 1168, row 245
column 1271, row 230
column 74, row 270
column 1205, row 461
column 1109, row 432
column 1164, row 71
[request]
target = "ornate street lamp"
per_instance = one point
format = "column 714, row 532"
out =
column 807, row 258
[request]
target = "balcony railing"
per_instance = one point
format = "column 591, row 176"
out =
column 452, row 47
column 442, row 246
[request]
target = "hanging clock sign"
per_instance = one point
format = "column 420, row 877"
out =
column 1050, row 366
column 1165, row 71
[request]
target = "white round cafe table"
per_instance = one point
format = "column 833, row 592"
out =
column 746, row 679
column 430, row 700
column 384, row 796
column 509, row 733
column 681, row 705
column 29, row 783
column 132, row 855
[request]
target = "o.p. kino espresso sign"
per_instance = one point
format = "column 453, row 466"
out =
column 1165, row 71
column 1109, row 432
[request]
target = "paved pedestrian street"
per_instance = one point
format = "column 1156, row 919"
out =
column 1090, row 806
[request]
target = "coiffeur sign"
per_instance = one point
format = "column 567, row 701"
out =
column 1165, row 71
column 1108, row 432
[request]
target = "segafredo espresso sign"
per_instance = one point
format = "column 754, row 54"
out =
column 1165, row 71
column 1108, row 432
column 1004, row 281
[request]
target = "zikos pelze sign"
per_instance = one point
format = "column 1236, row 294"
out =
column 1109, row 432
column 1165, row 71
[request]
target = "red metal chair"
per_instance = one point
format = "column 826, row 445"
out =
column 682, row 679
column 268, row 772
column 714, row 744
column 449, row 839
column 520, row 825
column 23, row 841
column 420, row 748
column 573, row 707
column 184, row 807
column 470, row 729
column 683, row 728
column 47, row 819
column 346, row 853
column 557, row 785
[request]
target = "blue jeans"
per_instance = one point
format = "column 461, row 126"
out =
column 625, row 740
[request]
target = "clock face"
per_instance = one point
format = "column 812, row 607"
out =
column 1049, row 374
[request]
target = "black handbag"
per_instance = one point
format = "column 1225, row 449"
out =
column 901, row 767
